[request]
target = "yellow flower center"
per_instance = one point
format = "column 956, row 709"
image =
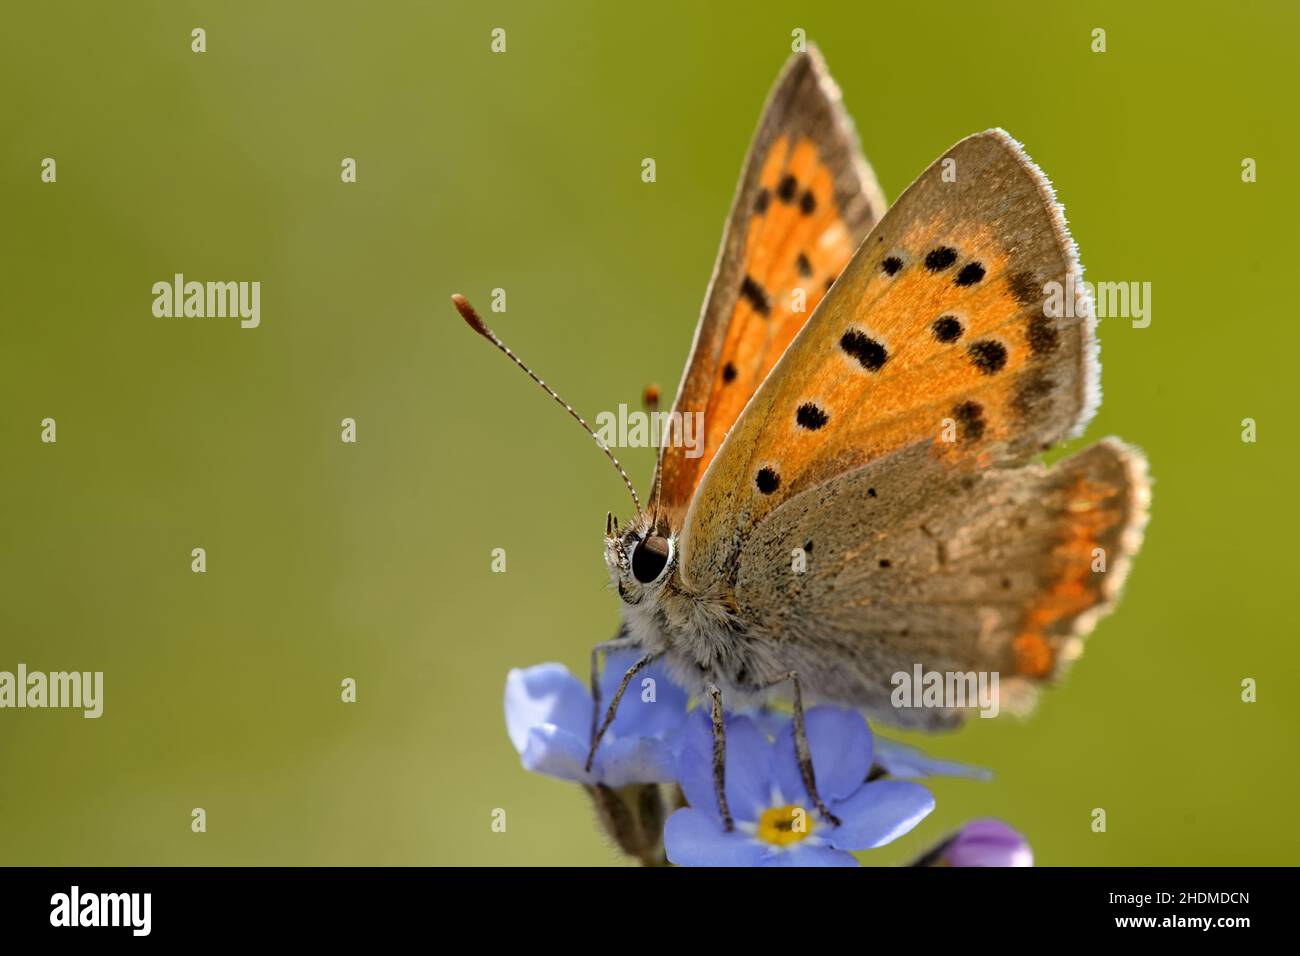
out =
column 783, row 826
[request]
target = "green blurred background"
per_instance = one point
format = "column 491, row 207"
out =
column 522, row 171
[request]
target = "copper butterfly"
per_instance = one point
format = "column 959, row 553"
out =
column 875, row 387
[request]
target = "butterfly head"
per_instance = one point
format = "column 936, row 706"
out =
column 641, row 557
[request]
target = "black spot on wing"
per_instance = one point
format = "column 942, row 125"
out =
column 1026, row 289
column 1042, row 335
column 969, row 417
column 891, row 265
column 970, row 274
column 767, row 480
column 946, row 328
column 729, row 372
column 936, row 260
column 803, row 265
column 756, row 296
column 870, row 354
column 1033, row 394
column 811, row 417
column 987, row 355
column 807, row 202
column 786, row 189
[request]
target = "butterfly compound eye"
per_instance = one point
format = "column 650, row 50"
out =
column 650, row 558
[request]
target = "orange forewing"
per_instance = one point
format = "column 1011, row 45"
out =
column 879, row 374
column 791, row 258
column 806, row 200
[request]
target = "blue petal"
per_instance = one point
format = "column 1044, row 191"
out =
column 637, row 716
column 802, row 854
column 840, row 744
column 556, row 753
column 545, row 694
column 900, row 760
column 634, row 760
column 695, row 838
column 749, row 767
column 770, row 722
column 879, row 813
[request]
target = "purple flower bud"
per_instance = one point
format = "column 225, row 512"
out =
column 988, row 843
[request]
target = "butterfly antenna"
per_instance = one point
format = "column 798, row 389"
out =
column 658, row 489
column 472, row 319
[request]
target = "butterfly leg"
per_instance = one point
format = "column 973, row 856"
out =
column 801, row 750
column 620, row 643
column 613, row 705
column 720, row 756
